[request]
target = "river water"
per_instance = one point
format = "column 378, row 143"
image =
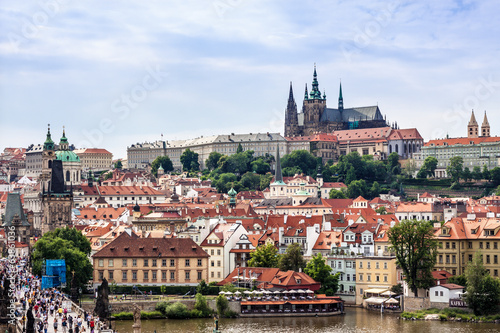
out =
column 355, row 320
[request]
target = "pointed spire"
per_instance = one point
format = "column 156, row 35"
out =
column 306, row 95
column 48, row 144
column 315, row 93
column 324, row 94
column 290, row 95
column 472, row 120
column 341, row 99
column 278, row 175
column 485, row 119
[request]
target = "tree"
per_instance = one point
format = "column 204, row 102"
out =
column 250, row 181
column 486, row 173
column 466, row 174
column 483, row 291
column 416, row 251
column 410, row 168
column 68, row 244
column 392, row 162
column 118, row 164
column 495, row 175
column 375, row 190
column 165, row 163
column 239, row 149
column 260, row 166
column 461, row 280
column 201, row 308
column 202, row 288
column 350, row 176
column 337, row 194
column 222, row 304
column 264, row 256
column 476, row 173
column 302, row 159
column 318, row 270
column 381, row 210
column 189, row 160
column 455, row 168
column 292, row 259
column 213, row 160
column 398, row 288
column 357, row 188
column 428, row 167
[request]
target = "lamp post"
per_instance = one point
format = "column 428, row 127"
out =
column 80, row 296
column 109, row 316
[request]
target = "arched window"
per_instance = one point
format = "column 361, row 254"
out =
column 67, row 176
column 390, row 149
column 397, row 148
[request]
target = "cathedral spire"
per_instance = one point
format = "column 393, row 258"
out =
column 485, row 126
column 290, row 94
column 48, row 144
column 341, row 99
column 278, row 175
column 315, row 93
column 306, row 95
column 472, row 127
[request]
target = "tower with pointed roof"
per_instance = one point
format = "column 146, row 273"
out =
column 313, row 107
column 472, row 127
column 48, row 155
column 72, row 164
column 291, row 120
column 485, row 127
column 315, row 117
column 278, row 187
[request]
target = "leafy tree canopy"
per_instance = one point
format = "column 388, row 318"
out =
column 318, row 270
column 189, row 160
column 264, row 256
column 416, row 251
column 483, row 291
column 165, row 163
column 292, row 259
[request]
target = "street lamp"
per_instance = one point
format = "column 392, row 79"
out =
column 80, row 296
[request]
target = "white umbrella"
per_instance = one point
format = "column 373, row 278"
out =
column 247, row 292
column 391, row 301
column 309, row 291
column 277, row 292
column 228, row 293
column 237, row 293
column 300, row 291
column 222, row 292
column 388, row 293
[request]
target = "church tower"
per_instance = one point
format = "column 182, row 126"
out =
column 48, row 156
column 291, row 118
column 472, row 127
column 485, row 127
column 313, row 108
column 341, row 99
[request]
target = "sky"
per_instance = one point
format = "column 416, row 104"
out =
column 115, row 73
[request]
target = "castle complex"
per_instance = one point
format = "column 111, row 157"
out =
column 316, row 117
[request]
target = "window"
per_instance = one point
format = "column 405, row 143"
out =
column 101, row 275
column 212, row 274
column 218, row 275
column 361, row 291
column 385, row 278
column 495, row 259
column 110, row 275
column 436, row 293
column 212, row 263
column 172, row 262
column 480, row 245
column 218, row 263
column 453, row 259
column 385, row 265
column 369, row 277
column 368, row 265
column 199, row 263
column 154, row 275
column 212, row 252
column 495, row 245
column 187, row 263
column 134, row 275
column 153, row 262
column 470, row 257
column 377, row 265
column 146, row 262
column 199, row 275
column 348, row 277
column 495, row 272
column 124, row 275
column 440, row 258
column 377, row 278
column 101, row 262
column 487, row 258
column 172, row 275
column 218, row 252
column 187, row 275
column 146, row 275
column 470, row 245
column 360, row 264
column 487, row 245
column 447, row 245
column 441, row 293
column 124, row 262
column 164, row 262
column 163, row 275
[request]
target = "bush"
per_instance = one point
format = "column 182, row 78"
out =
column 222, row 304
column 162, row 307
column 177, row 311
column 151, row 315
column 201, row 307
column 231, row 314
column 124, row 316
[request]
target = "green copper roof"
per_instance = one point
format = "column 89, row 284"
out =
column 302, row 192
column 232, row 192
column 48, row 144
column 64, row 139
column 67, row 156
column 160, row 168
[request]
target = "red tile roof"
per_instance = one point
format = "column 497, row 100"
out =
column 461, row 141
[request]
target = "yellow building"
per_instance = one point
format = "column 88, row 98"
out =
column 130, row 260
column 461, row 238
column 374, row 273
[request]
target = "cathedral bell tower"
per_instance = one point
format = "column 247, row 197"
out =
column 291, row 118
column 48, row 156
column 485, row 127
column 472, row 127
column 313, row 108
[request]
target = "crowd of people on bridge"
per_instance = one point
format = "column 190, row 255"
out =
column 50, row 309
